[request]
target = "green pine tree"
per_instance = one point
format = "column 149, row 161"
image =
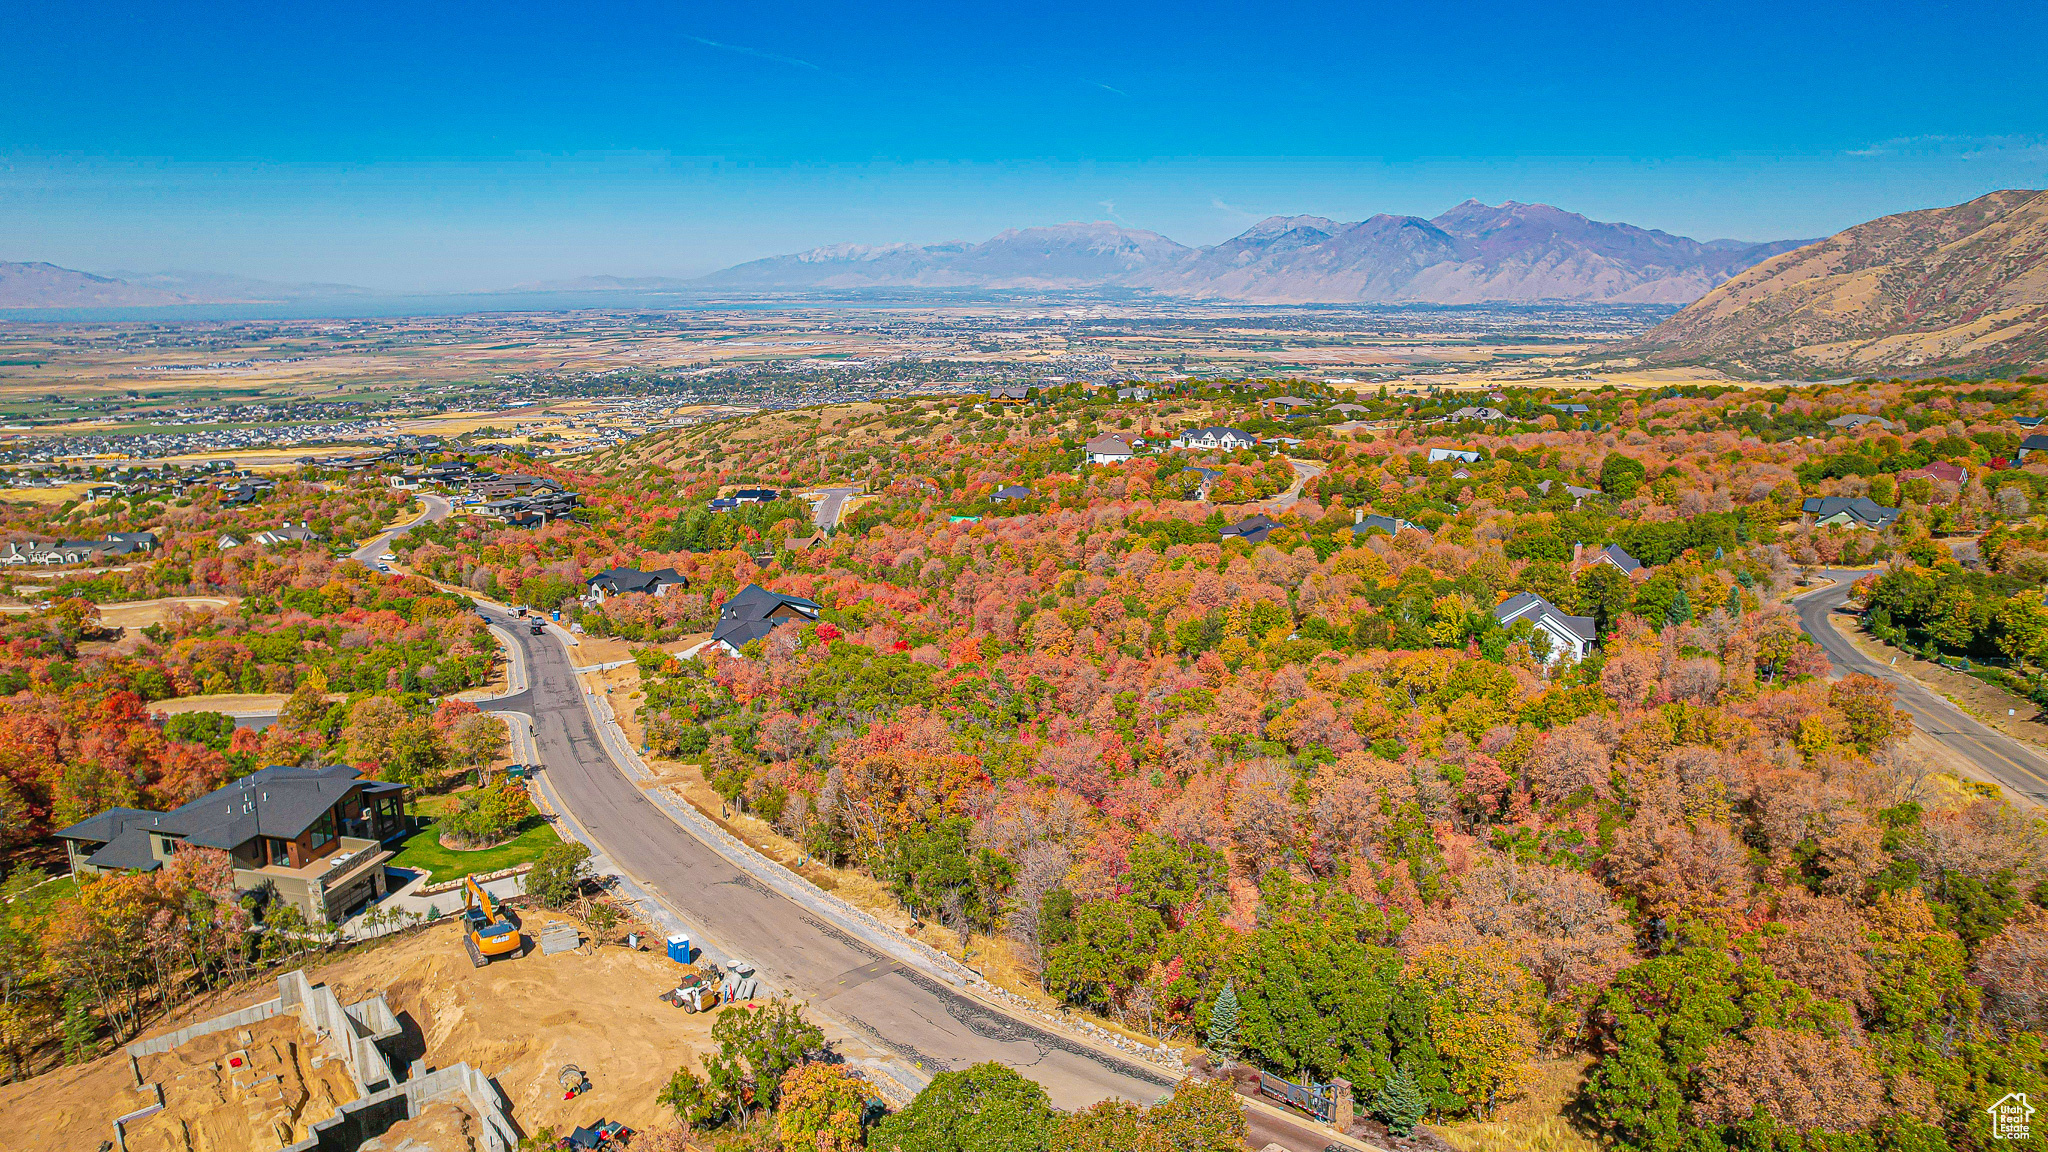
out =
column 1223, row 1022
column 1680, row 611
column 1735, row 601
column 1399, row 1104
column 81, row 1038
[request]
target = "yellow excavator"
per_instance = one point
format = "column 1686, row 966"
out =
column 487, row 932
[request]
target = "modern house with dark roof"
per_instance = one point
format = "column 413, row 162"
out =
column 1010, row 393
column 1010, row 492
column 621, row 581
column 1571, row 637
column 1848, row 512
column 1254, row 528
column 2034, row 443
column 315, row 836
column 1569, row 409
column 754, row 612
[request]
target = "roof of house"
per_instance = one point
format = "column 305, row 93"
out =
column 1216, row 433
column 1859, row 419
column 1533, row 607
column 1011, row 492
column 2035, row 442
column 1575, row 409
column 1860, row 508
column 746, row 615
column 1009, row 391
column 758, row 494
column 1108, row 446
column 1388, row 524
column 1292, row 401
column 619, row 581
column 1254, row 528
column 1939, row 470
column 2027, row 421
column 1618, row 556
column 282, row 801
column 1349, row 408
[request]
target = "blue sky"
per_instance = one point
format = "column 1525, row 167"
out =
column 469, row 146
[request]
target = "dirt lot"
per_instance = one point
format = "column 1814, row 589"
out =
column 518, row 1020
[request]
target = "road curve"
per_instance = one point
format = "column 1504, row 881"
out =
column 437, row 509
column 2017, row 767
column 896, row 1007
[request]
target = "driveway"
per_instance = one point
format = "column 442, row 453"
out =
column 826, row 515
column 2019, row 768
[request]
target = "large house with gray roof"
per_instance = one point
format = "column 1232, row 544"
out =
column 1849, row 512
column 1571, row 637
column 754, row 612
column 314, row 836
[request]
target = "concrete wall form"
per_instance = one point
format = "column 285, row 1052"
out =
column 358, row 1031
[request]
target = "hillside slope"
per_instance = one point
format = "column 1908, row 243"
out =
column 1961, row 289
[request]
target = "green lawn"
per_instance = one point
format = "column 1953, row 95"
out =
column 423, row 852
column 35, row 903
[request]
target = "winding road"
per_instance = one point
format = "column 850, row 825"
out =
column 895, row 1006
column 436, row 510
column 2018, row 767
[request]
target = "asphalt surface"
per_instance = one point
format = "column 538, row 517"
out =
column 437, row 509
column 2016, row 766
column 894, row 1006
column 826, row 516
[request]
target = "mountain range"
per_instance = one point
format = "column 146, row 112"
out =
column 40, row 285
column 1474, row 253
column 1961, row 289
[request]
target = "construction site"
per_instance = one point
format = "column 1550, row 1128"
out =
column 404, row 1043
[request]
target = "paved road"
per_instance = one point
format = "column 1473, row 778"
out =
column 826, row 515
column 1303, row 473
column 437, row 510
column 2020, row 768
column 896, row 1007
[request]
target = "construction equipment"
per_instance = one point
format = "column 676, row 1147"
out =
column 694, row 994
column 487, row 932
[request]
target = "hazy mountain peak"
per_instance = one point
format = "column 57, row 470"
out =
column 1281, row 225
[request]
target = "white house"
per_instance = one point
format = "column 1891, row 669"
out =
column 1480, row 413
column 1107, row 450
column 1224, row 439
column 1468, row 455
column 1571, row 637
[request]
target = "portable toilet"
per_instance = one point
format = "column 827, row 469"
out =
column 558, row 615
column 679, row 949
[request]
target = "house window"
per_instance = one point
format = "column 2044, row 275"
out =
column 322, row 830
